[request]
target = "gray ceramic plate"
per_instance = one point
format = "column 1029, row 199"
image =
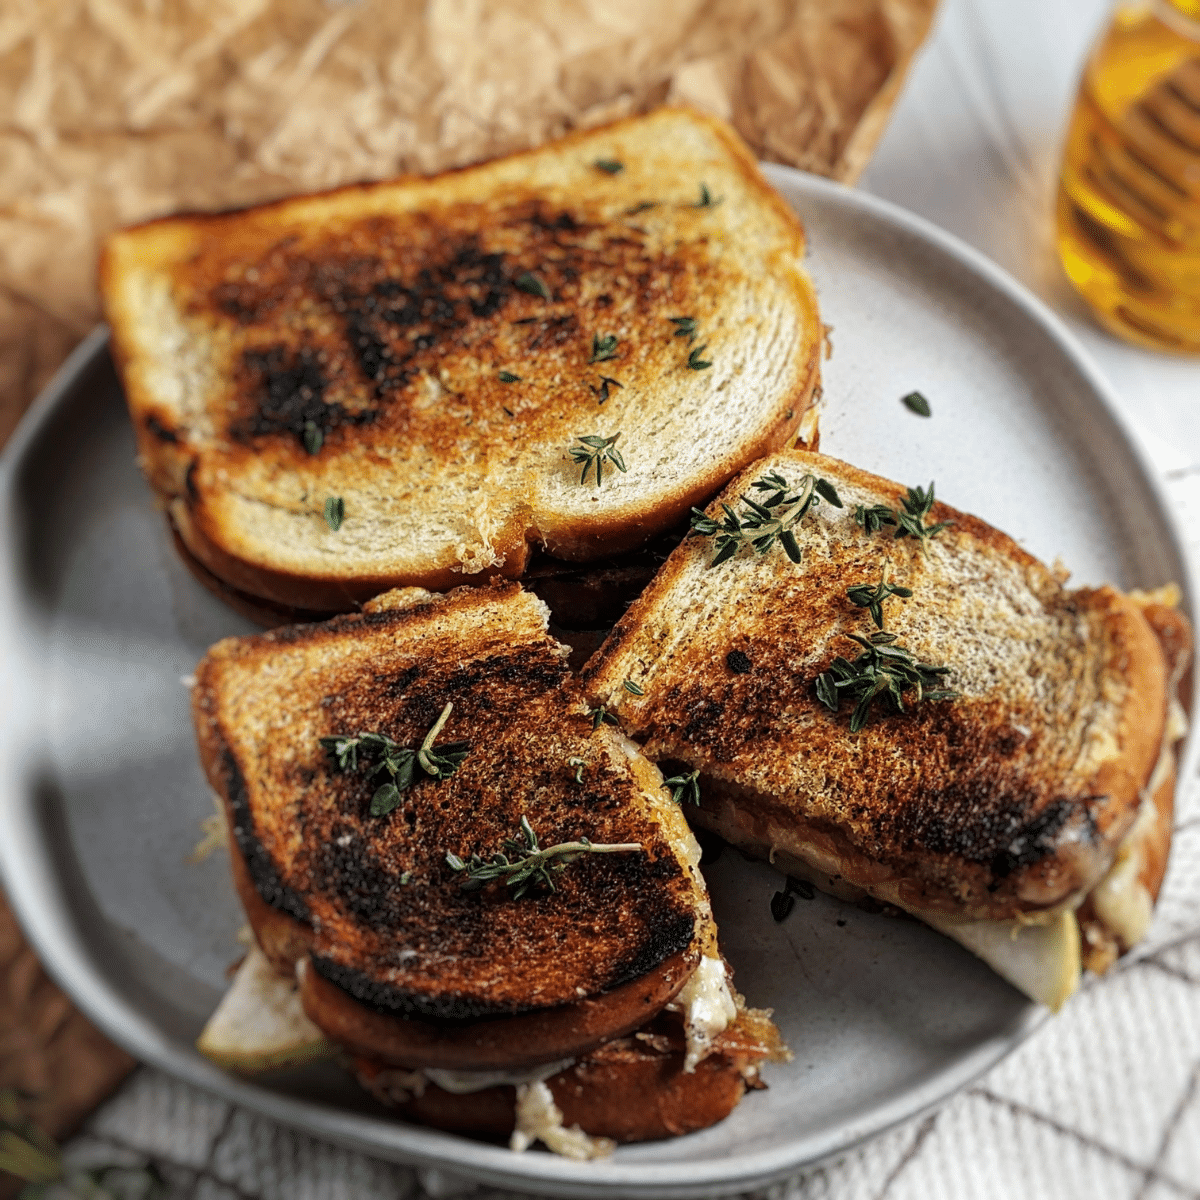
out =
column 102, row 795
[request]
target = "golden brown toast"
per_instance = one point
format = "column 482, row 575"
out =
column 429, row 352
column 1010, row 800
column 373, row 902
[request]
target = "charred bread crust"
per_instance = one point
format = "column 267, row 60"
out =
column 990, row 805
column 379, row 311
column 632, row 1089
column 311, row 853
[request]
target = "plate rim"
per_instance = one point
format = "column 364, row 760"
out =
column 67, row 958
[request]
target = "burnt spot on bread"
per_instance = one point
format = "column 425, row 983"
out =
column 739, row 662
column 263, row 870
column 289, row 393
column 363, row 323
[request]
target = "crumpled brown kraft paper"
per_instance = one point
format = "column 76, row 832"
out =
column 115, row 111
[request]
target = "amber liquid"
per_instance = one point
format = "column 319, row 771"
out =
column 1129, row 198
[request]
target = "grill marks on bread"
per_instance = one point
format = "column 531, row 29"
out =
column 313, row 850
column 1007, row 799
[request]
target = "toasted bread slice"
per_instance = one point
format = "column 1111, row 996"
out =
column 400, row 954
column 1007, row 803
column 429, row 352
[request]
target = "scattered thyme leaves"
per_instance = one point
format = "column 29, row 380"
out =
column 695, row 362
column 684, row 327
column 632, row 688
column 400, row 763
column 578, row 764
column 706, row 198
column 595, row 452
column 603, row 348
column 314, row 437
column 784, row 901
column 761, row 525
column 609, row 166
column 684, row 787
column 881, row 669
column 601, row 716
column 524, row 866
column 508, row 377
column 335, row 512
column 606, row 382
column 528, row 282
column 916, row 403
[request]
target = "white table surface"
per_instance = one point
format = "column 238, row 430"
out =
column 1105, row 1100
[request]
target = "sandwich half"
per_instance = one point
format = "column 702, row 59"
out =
column 412, row 383
column 890, row 698
column 459, row 875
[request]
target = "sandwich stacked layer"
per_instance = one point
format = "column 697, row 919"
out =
column 889, row 697
column 415, row 382
column 472, row 883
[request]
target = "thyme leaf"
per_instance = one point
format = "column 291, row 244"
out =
column 595, row 452
column 578, row 764
column 763, row 524
column 706, row 198
column 335, row 512
column 632, row 688
column 601, row 716
column 684, row 787
column 524, row 866
column 603, row 348
column 530, row 283
column 609, row 166
column 644, row 206
column 606, row 381
column 695, row 362
column 873, row 519
column 684, row 327
column 508, row 377
column 314, row 437
column 917, row 403
column 400, row 763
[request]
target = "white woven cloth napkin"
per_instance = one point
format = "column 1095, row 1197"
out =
column 1103, row 1101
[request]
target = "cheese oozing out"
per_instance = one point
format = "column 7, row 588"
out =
column 539, row 1119
column 707, row 1004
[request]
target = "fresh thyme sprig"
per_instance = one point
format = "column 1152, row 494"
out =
column 881, row 668
column 603, row 348
column 606, row 381
column 872, row 598
column 524, row 866
column 684, row 327
column 695, row 362
column 684, row 787
column 873, row 519
column 399, row 762
column 601, row 716
column 766, row 523
column 908, row 519
column 912, row 520
column 595, row 452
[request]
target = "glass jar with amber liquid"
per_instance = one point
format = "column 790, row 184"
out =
column 1129, row 198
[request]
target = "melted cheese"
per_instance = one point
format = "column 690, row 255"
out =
column 539, row 1119
column 462, row 1083
column 707, row 1005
